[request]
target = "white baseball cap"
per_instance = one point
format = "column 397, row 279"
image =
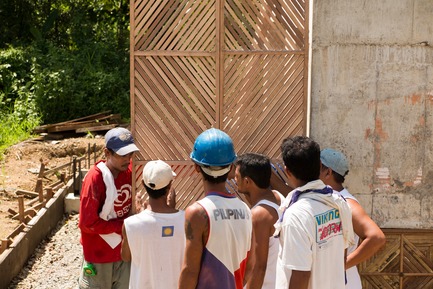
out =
column 157, row 174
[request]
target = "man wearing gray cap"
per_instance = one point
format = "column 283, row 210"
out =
column 154, row 239
column 105, row 201
column 334, row 169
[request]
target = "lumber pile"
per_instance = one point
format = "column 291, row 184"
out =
column 102, row 121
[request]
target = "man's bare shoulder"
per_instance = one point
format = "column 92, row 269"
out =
column 196, row 222
column 264, row 214
column 196, row 212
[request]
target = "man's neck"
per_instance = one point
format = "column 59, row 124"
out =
column 113, row 171
column 299, row 183
column 160, row 205
column 338, row 187
column 211, row 187
column 261, row 194
column 335, row 186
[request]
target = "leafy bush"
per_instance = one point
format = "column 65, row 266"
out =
column 77, row 63
column 71, row 84
column 61, row 60
column 16, row 96
column 18, row 111
column 13, row 129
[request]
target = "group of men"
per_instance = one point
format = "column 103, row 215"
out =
column 291, row 235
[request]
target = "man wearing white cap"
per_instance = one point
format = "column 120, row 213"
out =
column 105, row 201
column 154, row 239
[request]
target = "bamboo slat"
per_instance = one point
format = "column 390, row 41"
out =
column 238, row 65
column 406, row 261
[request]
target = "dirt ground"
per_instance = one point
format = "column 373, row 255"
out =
column 20, row 166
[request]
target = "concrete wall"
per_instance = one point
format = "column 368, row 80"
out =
column 372, row 98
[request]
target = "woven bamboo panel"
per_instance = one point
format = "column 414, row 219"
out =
column 236, row 65
column 264, row 25
column 260, row 108
column 406, row 262
column 173, row 25
column 174, row 99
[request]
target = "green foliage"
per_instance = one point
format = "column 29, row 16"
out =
column 18, row 112
column 13, row 129
column 17, row 17
column 63, row 59
column 16, row 95
column 71, row 84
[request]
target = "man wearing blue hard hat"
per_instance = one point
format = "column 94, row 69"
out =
column 218, row 227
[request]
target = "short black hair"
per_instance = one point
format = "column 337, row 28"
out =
column 156, row 194
column 337, row 177
column 257, row 167
column 215, row 180
column 301, row 156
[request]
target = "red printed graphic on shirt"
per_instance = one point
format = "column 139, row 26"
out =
column 123, row 203
column 328, row 225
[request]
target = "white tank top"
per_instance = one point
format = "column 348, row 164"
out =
column 157, row 243
column 225, row 253
column 274, row 245
column 353, row 278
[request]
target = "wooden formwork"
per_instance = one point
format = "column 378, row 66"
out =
column 39, row 216
column 405, row 262
column 237, row 65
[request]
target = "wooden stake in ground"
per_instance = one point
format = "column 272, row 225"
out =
column 21, row 208
column 41, row 169
column 49, row 194
column 39, row 190
column 4, row 245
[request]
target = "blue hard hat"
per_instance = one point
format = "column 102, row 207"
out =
column 214, row 148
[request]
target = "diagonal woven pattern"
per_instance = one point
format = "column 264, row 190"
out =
column 406, row 261
column 263, row 101
column 238, row 65
column 264, row 25
column 175, row 98
column 174, row 25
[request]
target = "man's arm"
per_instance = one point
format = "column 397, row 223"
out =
column 250, row 262
column 171, row 198
column 196, row 230
column 299, row 279
column 263, row 222
column 125, row 251
column 372, row 236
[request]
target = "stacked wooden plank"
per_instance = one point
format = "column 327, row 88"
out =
column 97, row 122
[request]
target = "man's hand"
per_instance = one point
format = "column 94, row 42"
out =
column 171, row 198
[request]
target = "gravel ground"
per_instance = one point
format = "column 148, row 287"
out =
column 56, row 262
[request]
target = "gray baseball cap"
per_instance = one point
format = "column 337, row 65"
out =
column 335, row 160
